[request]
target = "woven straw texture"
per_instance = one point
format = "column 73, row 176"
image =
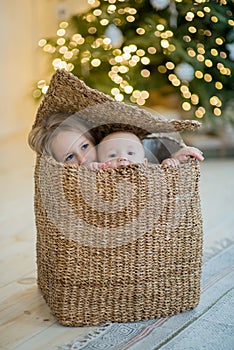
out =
column 67, row 93
column 121, row 244
column 136, row 259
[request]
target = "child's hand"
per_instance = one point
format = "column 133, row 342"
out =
column 171, row 162
column 183, row 154
column 117, row 162
column 97, row 166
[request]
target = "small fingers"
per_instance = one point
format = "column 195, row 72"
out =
column 195, row 152
column 173, row 162
column 185, row 152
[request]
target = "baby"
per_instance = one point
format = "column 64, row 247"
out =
column 121, row 148
column 125, row 148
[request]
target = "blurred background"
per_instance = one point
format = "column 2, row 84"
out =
column 175, row 57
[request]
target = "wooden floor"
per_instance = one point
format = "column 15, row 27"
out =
column 25, row 320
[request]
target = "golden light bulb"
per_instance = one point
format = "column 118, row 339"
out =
column 92, row 30
column 130, row 19
column 192, row 29
column 214, row 19
column 207, row 78
column 41, row 84
column 61, row 41
column 63, row 25
column 70, row 67
column 186, row 106
column 160, row 27
column 140, row 52
column 164, row 43
column 68, row 55
column 140, row 101
column 191, row 52
column 198, row 74
column 128, row 89
column 186, row 38
column 217, row 112
column 96, row 62
column 36, row 93
column 42, row 42
column 208, row 63
column 194, row 99
column 219, row 41
column 152, row 50
column 200, row 14
column 145, row 60
column 200, row 58
column 140, row 31
column 145, row 94
column 145, row 73
column 214, row 52
column 104, row 22
column 199, row 114
column 218, row 85
column 97, row 12
column 61, row 32
column 119, row 97
column 136, row 93
column 133, row 47
column 189, row 16
column 170, row 65
column 115, row 91
column 111, row 8
column 162, row 69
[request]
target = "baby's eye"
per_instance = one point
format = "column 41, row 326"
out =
column 69, row 158
column 84, row 146
column 131, row 153
column 112, row 155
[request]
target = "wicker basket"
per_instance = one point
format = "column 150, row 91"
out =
column 121, row 244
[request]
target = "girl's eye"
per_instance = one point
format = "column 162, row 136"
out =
column 69, row 158
column 84, row 146
column 130, row 153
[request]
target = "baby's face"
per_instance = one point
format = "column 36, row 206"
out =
column 121, row 148
column 73, row 147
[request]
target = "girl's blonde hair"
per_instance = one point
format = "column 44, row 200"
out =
column 40, row 137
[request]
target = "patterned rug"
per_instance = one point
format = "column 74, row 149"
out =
column 166, row 333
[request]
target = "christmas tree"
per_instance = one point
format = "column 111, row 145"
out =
column 130, row 49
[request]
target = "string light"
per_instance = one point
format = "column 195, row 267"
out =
column 145, row 73
column 200, row 112
column 217, row 112
column 87, row 51
column 186, row 106
column 95, row 62
column 145, row 60
column 63, row 25
column 152, row 50
column 194, row 99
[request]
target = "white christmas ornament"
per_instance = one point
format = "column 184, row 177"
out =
column 230, row 48
column 115, row 35
column 160, row 4
column 184, row 71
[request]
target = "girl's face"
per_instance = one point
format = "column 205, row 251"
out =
column 73, row 147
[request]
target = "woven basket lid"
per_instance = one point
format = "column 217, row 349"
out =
column 67, row 93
